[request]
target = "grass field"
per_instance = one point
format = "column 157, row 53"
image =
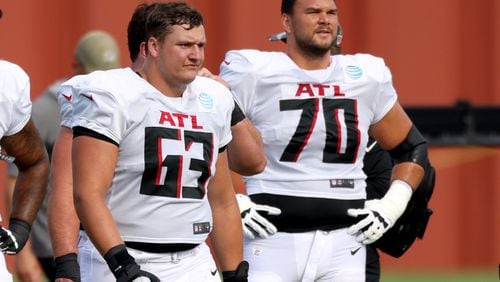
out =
column 469, row 276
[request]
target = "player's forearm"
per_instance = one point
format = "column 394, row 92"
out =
column 29, row 191
column 32, row 161
column 98, row 222
column 227, row 237
column 63, row 223
column 62, row 219
column 408, row 172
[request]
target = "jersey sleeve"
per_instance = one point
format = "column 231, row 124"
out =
column 99, row 111
column 226, row 135
column 65, row 94
column 65, row 107
column 236, row 71
column 386, row 95
column 15, row 103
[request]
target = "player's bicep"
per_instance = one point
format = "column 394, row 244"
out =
column 87, row 153
column 246, row 139
column 392, row 129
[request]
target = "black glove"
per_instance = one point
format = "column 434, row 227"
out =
column 124, row 267
column 12, row 240
column 67, row 267
column 238, row 275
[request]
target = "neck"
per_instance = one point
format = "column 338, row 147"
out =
column 161, row 84
column 308, row 61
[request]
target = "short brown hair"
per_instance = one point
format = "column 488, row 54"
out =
column 165, row 15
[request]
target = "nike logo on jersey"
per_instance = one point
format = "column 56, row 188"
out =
column 213, row 272
column 227, row 62
column 67, row 97
column 353, row 252
column 88, row 96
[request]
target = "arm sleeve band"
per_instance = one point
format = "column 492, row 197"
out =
column 82, row 131
column 412, row 149
column 237, row 114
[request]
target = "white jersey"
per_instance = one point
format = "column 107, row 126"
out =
column 168, row 148
column 314, row 124
column 15, row 103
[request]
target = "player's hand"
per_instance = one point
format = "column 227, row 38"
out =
column 206, row 73
column 12, row 240
column 253, row 223
column 124, row 267
column 67, row 268
column 380, row 215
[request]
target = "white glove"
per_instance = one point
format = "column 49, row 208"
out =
column 253, row 223
column 380, row 215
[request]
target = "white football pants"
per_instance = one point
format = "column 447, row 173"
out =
column 4, row 272
column 310, row 256
column 193, row 265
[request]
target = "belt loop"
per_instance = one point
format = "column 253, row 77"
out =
column 174, row 258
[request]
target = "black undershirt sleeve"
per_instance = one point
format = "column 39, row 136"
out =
column 83, row 131
column 237, row 114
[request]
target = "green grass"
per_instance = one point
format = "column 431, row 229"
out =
column 467, row 276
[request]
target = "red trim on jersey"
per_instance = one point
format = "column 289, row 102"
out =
column 179, row 176
column 309, row 132
column 358, row 136
column 339, row 130
column 160, row 161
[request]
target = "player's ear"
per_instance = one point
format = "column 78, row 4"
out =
column 286, row 22
column 152, row 46
column 338, row 38
column 142, row 49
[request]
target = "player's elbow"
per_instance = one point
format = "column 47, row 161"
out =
column 257, row 167
column 251, row 165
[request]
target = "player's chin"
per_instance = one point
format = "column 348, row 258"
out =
column 324, row 42
column 189, row 74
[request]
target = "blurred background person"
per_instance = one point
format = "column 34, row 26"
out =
column 96, row 50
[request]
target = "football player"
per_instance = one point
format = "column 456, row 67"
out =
column 315, row 113
column 162, row 184
column 21, row 144
column 245, row 137
column 377, row 165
